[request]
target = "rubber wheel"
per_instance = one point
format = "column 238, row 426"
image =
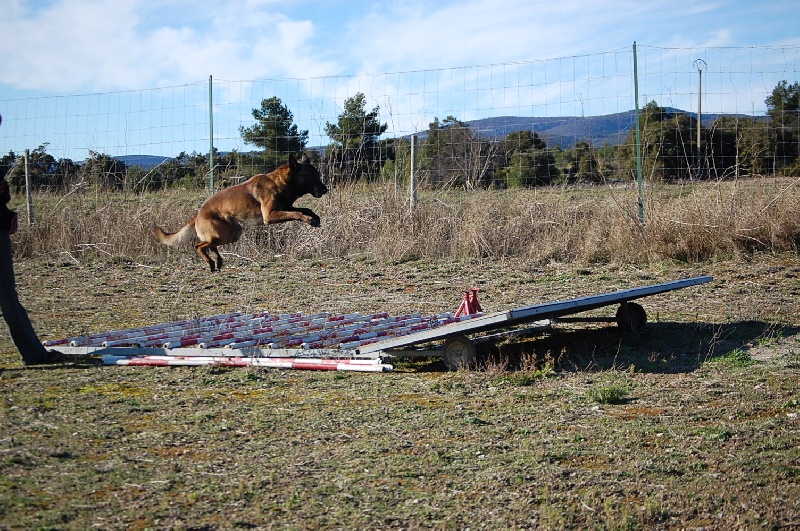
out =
column 459, row 353
column 631, row 317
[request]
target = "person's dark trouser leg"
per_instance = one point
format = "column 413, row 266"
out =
column 19, row 324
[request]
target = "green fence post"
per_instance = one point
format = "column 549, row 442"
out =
column 638, row 137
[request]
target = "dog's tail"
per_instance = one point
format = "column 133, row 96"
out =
column 174, row 239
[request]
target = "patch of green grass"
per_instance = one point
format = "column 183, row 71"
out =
column 770, row 337
column 735, row 359
column 609, row 394
column 794, row 403
column 715, row 433
column 526, row 378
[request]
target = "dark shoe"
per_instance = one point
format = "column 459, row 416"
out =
column 51, row 356
column 54, row 356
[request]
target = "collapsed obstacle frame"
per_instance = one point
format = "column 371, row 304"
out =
column 349, row 342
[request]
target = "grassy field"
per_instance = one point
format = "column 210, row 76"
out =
column 691, row 423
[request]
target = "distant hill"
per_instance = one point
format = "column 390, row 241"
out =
column 609, row 129
column 145, row 162
column 563, row 130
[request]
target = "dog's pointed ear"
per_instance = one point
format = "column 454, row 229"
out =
column 304, row 159
column 292, row 163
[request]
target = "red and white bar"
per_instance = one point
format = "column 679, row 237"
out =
column 314, row 364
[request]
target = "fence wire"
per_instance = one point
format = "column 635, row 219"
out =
column 512, row 124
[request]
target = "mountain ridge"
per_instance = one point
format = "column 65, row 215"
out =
column 608, row 129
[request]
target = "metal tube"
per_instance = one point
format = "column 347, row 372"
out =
column 638, row 137
column 700, row 64
column 699, row 115
column 28, row 193
column 413, row 172
column 210, row 135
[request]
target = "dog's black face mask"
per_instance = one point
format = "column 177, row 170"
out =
column 309, row 177
column 313, row 181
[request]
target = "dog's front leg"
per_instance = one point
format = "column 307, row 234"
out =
column 296, row 214
column 311, row 217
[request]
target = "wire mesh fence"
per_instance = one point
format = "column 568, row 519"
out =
column 703, row 113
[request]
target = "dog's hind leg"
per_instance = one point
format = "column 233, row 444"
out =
column 204, row 249
column 217, row 256
column 213, row 232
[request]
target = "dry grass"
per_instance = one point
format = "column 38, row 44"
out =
column 599, row 224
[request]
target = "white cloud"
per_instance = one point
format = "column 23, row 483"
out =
column 97, row 45
column 64, row 45
column 438, row 35
column 91, row 45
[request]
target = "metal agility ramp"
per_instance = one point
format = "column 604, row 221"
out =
column 349, row 342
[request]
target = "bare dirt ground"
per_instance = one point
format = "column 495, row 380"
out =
column 691, row 423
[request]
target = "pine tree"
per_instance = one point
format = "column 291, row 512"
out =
column 274, row 132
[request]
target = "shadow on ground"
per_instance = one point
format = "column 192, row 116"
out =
column 663, row 347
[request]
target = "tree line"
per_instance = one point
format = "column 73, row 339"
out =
column 453, row 155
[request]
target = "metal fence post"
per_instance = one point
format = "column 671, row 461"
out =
column 413, row 172
column 28, row 194
column 700, row 65
column 210, row 135
column 638, row 137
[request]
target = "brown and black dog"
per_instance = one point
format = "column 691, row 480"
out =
column 267, row 196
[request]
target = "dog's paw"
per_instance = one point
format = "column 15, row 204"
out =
column 314, row 222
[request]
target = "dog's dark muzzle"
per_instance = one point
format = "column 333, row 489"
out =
column 319, row 190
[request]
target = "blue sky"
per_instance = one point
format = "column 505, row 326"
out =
column 76, row 47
